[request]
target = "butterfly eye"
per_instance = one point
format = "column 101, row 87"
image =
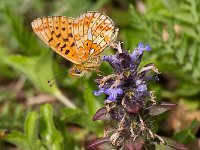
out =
column 75, row 72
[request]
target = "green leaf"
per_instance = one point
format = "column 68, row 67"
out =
column 31, row 130
column 187, row 135
column 50, row 135
column 99, row 4
column 18, row 139
column 44, row 71
column 24, row 38
column 38, row 70
column 23, row 65
column 60, row 7
column 181, row 50
column 68, row 113
column 81, row 118
column 90, row 100
column 162, row 147
column 169, row 143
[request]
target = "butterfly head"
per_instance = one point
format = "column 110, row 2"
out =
column 76, row 71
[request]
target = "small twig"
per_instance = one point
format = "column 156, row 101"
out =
column 160, row 138
column 114, row 138
column 151, row 134
column 131, row 129
column 153, row 97
column 142, row 122
column 121, row 124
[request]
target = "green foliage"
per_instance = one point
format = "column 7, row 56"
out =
column 23, row 55
column 188, row 135
column 36, row 126
column 179, row 55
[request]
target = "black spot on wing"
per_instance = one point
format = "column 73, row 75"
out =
column 57, row 44
column 63, row 47
column 51, row 39
column 73, row 44
column 67, row 51
column 58, row 35
column 70, row 35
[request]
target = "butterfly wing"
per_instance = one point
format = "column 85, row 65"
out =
column 56, row 32
column 93, row 32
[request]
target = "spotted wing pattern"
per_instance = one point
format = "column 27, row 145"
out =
column 79, row 39
column 56, row 32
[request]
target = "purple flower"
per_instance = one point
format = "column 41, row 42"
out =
column 113, row 61
column 110, row 58
column 113, row 93
column 128, row 101
column 142, row 88
column 148, row 48
column 139, row 50
column 98, row 93
column 138, row 82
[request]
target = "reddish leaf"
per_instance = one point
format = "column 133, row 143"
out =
column 101, row 114
column 132, row 107
column 161, row 108
column 168, row 105
column 101, row 144
column 134, row 145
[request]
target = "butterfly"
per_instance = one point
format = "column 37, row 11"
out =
column 81, row 40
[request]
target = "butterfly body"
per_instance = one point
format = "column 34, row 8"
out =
column 81, row 40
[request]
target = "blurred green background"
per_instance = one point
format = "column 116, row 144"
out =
column 170, row 27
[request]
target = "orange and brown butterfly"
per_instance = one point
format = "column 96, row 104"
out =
column 81, row 40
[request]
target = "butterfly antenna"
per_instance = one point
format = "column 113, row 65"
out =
column 52, row 81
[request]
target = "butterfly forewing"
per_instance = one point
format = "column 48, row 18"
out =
column 50, row 30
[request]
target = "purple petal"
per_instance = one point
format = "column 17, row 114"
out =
column 113, row 93
column 119, row 91
column 112, row 97
column 142, row 88
column 140, row 45
column 97, row 93
column 109, row 58
column 148, row 48
column 134, row 55
column 138, row 82
column 140, row 48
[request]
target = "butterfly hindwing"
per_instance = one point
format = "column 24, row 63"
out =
column 93, row 32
